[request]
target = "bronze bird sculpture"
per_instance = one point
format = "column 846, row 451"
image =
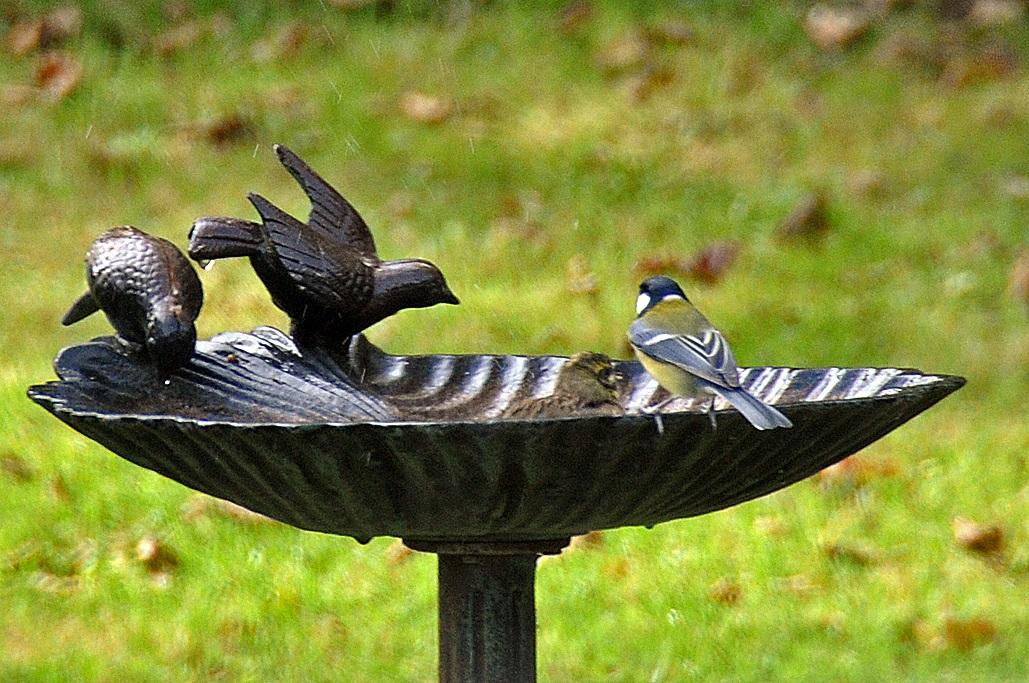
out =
column 149, row 292
column 586, row 384
column 325, row 274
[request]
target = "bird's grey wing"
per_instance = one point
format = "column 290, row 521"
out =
column 302, row 256
column 83, row 307
column 331, row 214
column 707, row 356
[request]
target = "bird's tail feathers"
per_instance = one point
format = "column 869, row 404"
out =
column 218, row 237
column 758, row 413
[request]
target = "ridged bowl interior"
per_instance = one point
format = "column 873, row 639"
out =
column 365, row 444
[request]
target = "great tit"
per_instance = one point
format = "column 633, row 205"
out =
column 586, row 384
column 680, row 348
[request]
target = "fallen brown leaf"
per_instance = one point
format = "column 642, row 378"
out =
column 285, row 43
column 200, row 506
column 57, row 75
column 770, row 525
column 227, row 129
column 179, row 38
column 725, row 591
column 855, row 472
column 624, row 53
column 711, row 263
column 670, row 32
column 591, row 541
column 55, row 28
column 808, row 220
column 16, row 467
column 835, row 27
column 993, row 13
column 990, row 64
column 425, row 108
column 853, row 553
column 978, row 538
column 579, row 279
column 574, row 16
column 648, row 80
column 1018, row 281
column 800, row 585
column 59, row 489
column 24, row 37
column 867, row 182
column 397, row 553
column 16, row 94
column 964, row 634
column 155, row 556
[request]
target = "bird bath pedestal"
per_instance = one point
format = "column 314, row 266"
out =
column 320, row 441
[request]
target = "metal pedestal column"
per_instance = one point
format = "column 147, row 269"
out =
column 487, row 609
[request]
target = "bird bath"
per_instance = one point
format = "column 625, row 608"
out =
column 316, row 441
column 339, row 437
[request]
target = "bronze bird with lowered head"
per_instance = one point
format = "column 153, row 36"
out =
column 326, row 274
column 149, row 292
column 586, row 384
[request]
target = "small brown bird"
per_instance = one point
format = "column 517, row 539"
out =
column 586, row 384
column 325, row 274
column 149, row 292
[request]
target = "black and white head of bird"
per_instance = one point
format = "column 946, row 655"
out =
column 656, row 289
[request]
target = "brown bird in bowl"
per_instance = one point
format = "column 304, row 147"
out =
column 325, row 274
column 586, row 384
column 149, row 292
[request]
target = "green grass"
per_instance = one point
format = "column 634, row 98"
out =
column 544, row 158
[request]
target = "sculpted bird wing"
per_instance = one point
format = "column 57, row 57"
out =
column 331, row 214
column 302, row 255
column 706, row 355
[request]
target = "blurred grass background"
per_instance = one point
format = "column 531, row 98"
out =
column 546, row 156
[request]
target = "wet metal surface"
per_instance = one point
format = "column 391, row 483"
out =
column 318, row 442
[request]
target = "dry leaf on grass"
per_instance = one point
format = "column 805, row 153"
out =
column 857, row 554
column 964, row 634
column 200, row 506
column 978, row 538
column 579, row 279
column 993, row 13
column 284, row 43
column 1018, row 281
column 835, row 27
column 227, row 129
column 15, row 466
column 591, row 541
column 57, row 75
column 178, row 38
column 808, row 220
column 624, row 53
column 990, row 64
column 55, row 28
column 855, row 472
column 574, row 16
column 425, row 108
column 670, row 32
column 725, row 591
column 709, row 265
column 155, row 556
column 397, row 553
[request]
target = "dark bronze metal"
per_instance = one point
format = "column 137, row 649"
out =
column 487, row 609
column 328, row 443
column 325, row 274
column 149, row 292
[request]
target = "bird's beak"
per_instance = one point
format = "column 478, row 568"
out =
column 449, row 298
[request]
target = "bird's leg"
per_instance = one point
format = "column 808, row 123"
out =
column 711, row 413
column 656, row 408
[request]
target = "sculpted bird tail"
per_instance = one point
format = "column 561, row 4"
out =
column 759, row 414
column 217, row 237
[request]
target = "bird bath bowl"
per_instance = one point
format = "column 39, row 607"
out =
column 366, row 444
